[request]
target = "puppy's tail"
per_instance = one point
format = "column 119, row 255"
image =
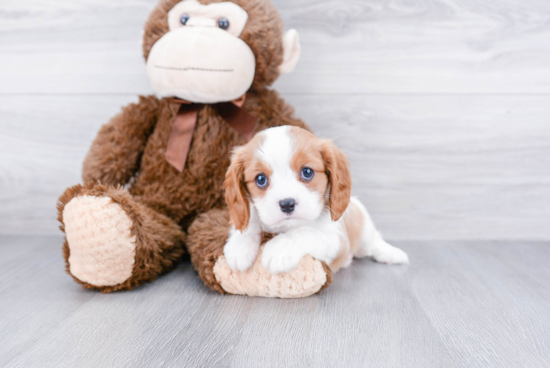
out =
column 365, row 240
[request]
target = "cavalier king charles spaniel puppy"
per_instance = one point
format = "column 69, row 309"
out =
column 288, row 182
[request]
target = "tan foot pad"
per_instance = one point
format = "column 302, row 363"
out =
column 305, row 280
column 102, row 250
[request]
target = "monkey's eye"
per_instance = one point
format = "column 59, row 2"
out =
column 261, row 181
column 307, row 174
column 184, row 18
column 223, row 23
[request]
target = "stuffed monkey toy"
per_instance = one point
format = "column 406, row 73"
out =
column 153, row 177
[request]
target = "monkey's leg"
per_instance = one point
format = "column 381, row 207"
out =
column 205, row 241
column 114, row 242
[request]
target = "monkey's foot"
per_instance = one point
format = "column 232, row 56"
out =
column 205, row 240
column 114, row 242
column 306, row 279
column 102, row 248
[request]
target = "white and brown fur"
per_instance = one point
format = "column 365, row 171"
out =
column 326, row 222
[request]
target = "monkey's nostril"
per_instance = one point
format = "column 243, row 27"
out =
column 287, row 205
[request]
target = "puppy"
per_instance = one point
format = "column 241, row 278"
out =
column 288, row 182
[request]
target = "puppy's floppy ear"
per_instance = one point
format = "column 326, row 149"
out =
column 339, row 176
column 235, row 191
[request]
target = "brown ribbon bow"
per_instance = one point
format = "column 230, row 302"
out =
column 186, row 119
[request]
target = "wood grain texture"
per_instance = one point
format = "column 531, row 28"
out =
column 352, row 46
column 442, row 105
column 443, row 167
column 43, row 141
column 468, row 303
column 420, row 46
column 458, row 304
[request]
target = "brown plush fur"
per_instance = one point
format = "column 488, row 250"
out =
column 159, row 240
column 206, row 239
column 130, row 151
column 114, row 157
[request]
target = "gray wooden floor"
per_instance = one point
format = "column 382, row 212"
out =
column 458, row 304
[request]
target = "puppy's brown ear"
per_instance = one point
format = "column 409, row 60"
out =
column 236, row 192
column 339, row 176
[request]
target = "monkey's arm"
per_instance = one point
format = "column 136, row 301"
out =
column 114, row 155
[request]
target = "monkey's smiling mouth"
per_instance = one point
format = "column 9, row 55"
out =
column 192, row 68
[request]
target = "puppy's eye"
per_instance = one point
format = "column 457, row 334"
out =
column 223, row 23
column 261, row 181
column 307, row 173
column 184, row 18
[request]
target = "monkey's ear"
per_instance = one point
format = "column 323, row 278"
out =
column 291, row 46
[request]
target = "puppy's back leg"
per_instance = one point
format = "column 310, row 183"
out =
column 370, row 242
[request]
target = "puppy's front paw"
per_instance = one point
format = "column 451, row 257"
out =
column 391, row 255
column 278, row 255
column 241, row 251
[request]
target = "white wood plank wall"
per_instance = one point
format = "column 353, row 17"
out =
column 443, row 106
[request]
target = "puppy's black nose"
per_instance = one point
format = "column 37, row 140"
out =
column 287, row 205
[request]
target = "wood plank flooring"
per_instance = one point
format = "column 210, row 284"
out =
column 458, row 304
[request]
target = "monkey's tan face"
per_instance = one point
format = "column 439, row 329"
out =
column 202, row 59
